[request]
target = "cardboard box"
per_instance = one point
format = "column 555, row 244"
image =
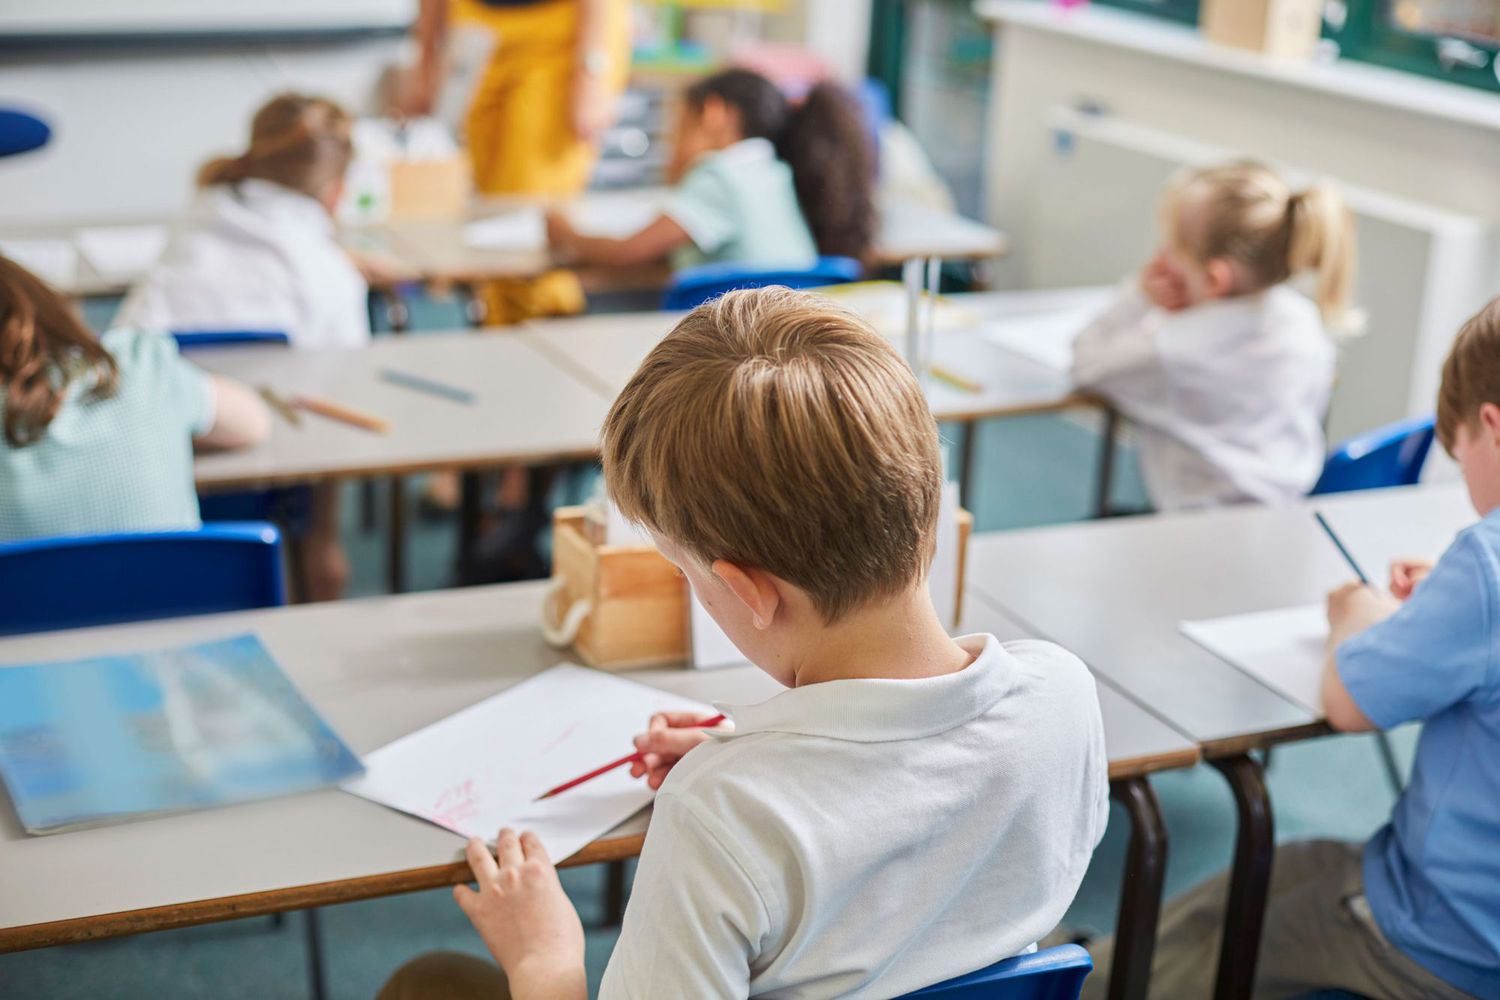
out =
column 430, row 190
column 623, row 607
column 1286, row 29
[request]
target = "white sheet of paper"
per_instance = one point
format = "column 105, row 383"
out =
column 1046, row 338
column 122, row 253
column 942, row 579
column 521, row 230
column 711, row 647
column 54, row 261
column 482, row 768
column 1283, row 649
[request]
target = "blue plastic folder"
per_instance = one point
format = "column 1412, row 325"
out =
column 87, row 742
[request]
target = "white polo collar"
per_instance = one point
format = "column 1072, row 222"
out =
column 882, row 710
column 747, row 150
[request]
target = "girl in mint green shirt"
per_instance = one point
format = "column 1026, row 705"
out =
column 98, row 432
column 758, row 181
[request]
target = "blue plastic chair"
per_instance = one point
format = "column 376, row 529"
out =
column 188, row 340
column 1054, row 974
column 1387, row 456
column 694, row 286
column 21, row 132
column 80, row 580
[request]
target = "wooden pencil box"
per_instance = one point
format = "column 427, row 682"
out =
column 623, row 607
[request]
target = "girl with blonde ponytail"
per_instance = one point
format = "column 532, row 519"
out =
column 1222, row 364
column 258, row 251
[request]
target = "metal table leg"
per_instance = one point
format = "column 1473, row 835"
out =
column 1140, row 895
column 1104, row 479
column 470, row 511
column 966, row 464
column 396, row 540
column 317, row 984
column 615, row 894
column 1250, row 877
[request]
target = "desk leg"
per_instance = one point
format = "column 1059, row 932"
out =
column 470, row 510
column 966, row 464
column 396, row 540
column 1104, row 479
column 317, row 985
column 615, row 894
column 474, row 306
column 1250, row 877
column 1140, row 896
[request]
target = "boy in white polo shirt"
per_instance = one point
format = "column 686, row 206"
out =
column 914, row 807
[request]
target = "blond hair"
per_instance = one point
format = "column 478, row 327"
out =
column 1244, row 212
column 297, row 141
column 774, row 429
column 1471, row 374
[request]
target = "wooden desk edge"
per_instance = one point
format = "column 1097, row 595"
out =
column 1139, row 767
column 1234, row 746
column 254, row 904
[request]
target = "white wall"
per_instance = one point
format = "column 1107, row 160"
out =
column 1424, row 157
column 132, row 125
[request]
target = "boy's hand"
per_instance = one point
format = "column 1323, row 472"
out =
column 524, row 917
column 664, row 744
column 1406, row 574
column 1353, row 608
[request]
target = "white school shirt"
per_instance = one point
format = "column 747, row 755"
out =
column 865, row 838
column 1227, row 397
column 254, row 255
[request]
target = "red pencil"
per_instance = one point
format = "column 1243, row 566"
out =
column 627, row 759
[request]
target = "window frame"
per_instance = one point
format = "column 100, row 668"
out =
column 1368, row 37
column 1180, row 11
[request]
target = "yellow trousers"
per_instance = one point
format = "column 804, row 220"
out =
column 520, row 131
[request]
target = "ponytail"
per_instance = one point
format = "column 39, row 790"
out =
column 826, row 144
column 302, row 143
column 1321, row 240
column 1244, row 212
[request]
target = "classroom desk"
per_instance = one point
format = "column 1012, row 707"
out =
column 438, row 251
column 376, row 668
column 1114, row 592
column 605, row 351
column 526, row 409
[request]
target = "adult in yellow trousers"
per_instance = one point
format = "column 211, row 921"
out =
column 539, row 108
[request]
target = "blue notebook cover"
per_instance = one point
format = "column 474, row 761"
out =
column 86, row 742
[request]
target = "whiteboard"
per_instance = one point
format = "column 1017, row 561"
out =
column 157, row 17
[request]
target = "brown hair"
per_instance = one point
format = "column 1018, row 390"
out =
column 1244, row 212
column 775, row 429
column 825, row 142
column 1471, row 374
column 296, row 141
column 44, row 347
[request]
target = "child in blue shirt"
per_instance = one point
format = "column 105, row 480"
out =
column 1415, row 912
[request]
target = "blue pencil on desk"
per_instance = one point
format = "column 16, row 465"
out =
column 1323, row 521
column 423, row 384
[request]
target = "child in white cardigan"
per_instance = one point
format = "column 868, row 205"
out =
column 1223, row 368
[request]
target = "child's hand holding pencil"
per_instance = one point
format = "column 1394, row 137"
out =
column 667, row 739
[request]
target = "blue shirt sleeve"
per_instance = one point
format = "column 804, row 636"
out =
column 1434, row 652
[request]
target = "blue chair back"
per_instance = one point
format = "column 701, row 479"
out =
column 1388, row 456
column 21, row 132
column 692, row 286
column 80, row 580
column 188, row 340
column 1053, row 974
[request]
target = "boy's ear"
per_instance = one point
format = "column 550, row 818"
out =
column 1489, row 422
column 753, row 587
